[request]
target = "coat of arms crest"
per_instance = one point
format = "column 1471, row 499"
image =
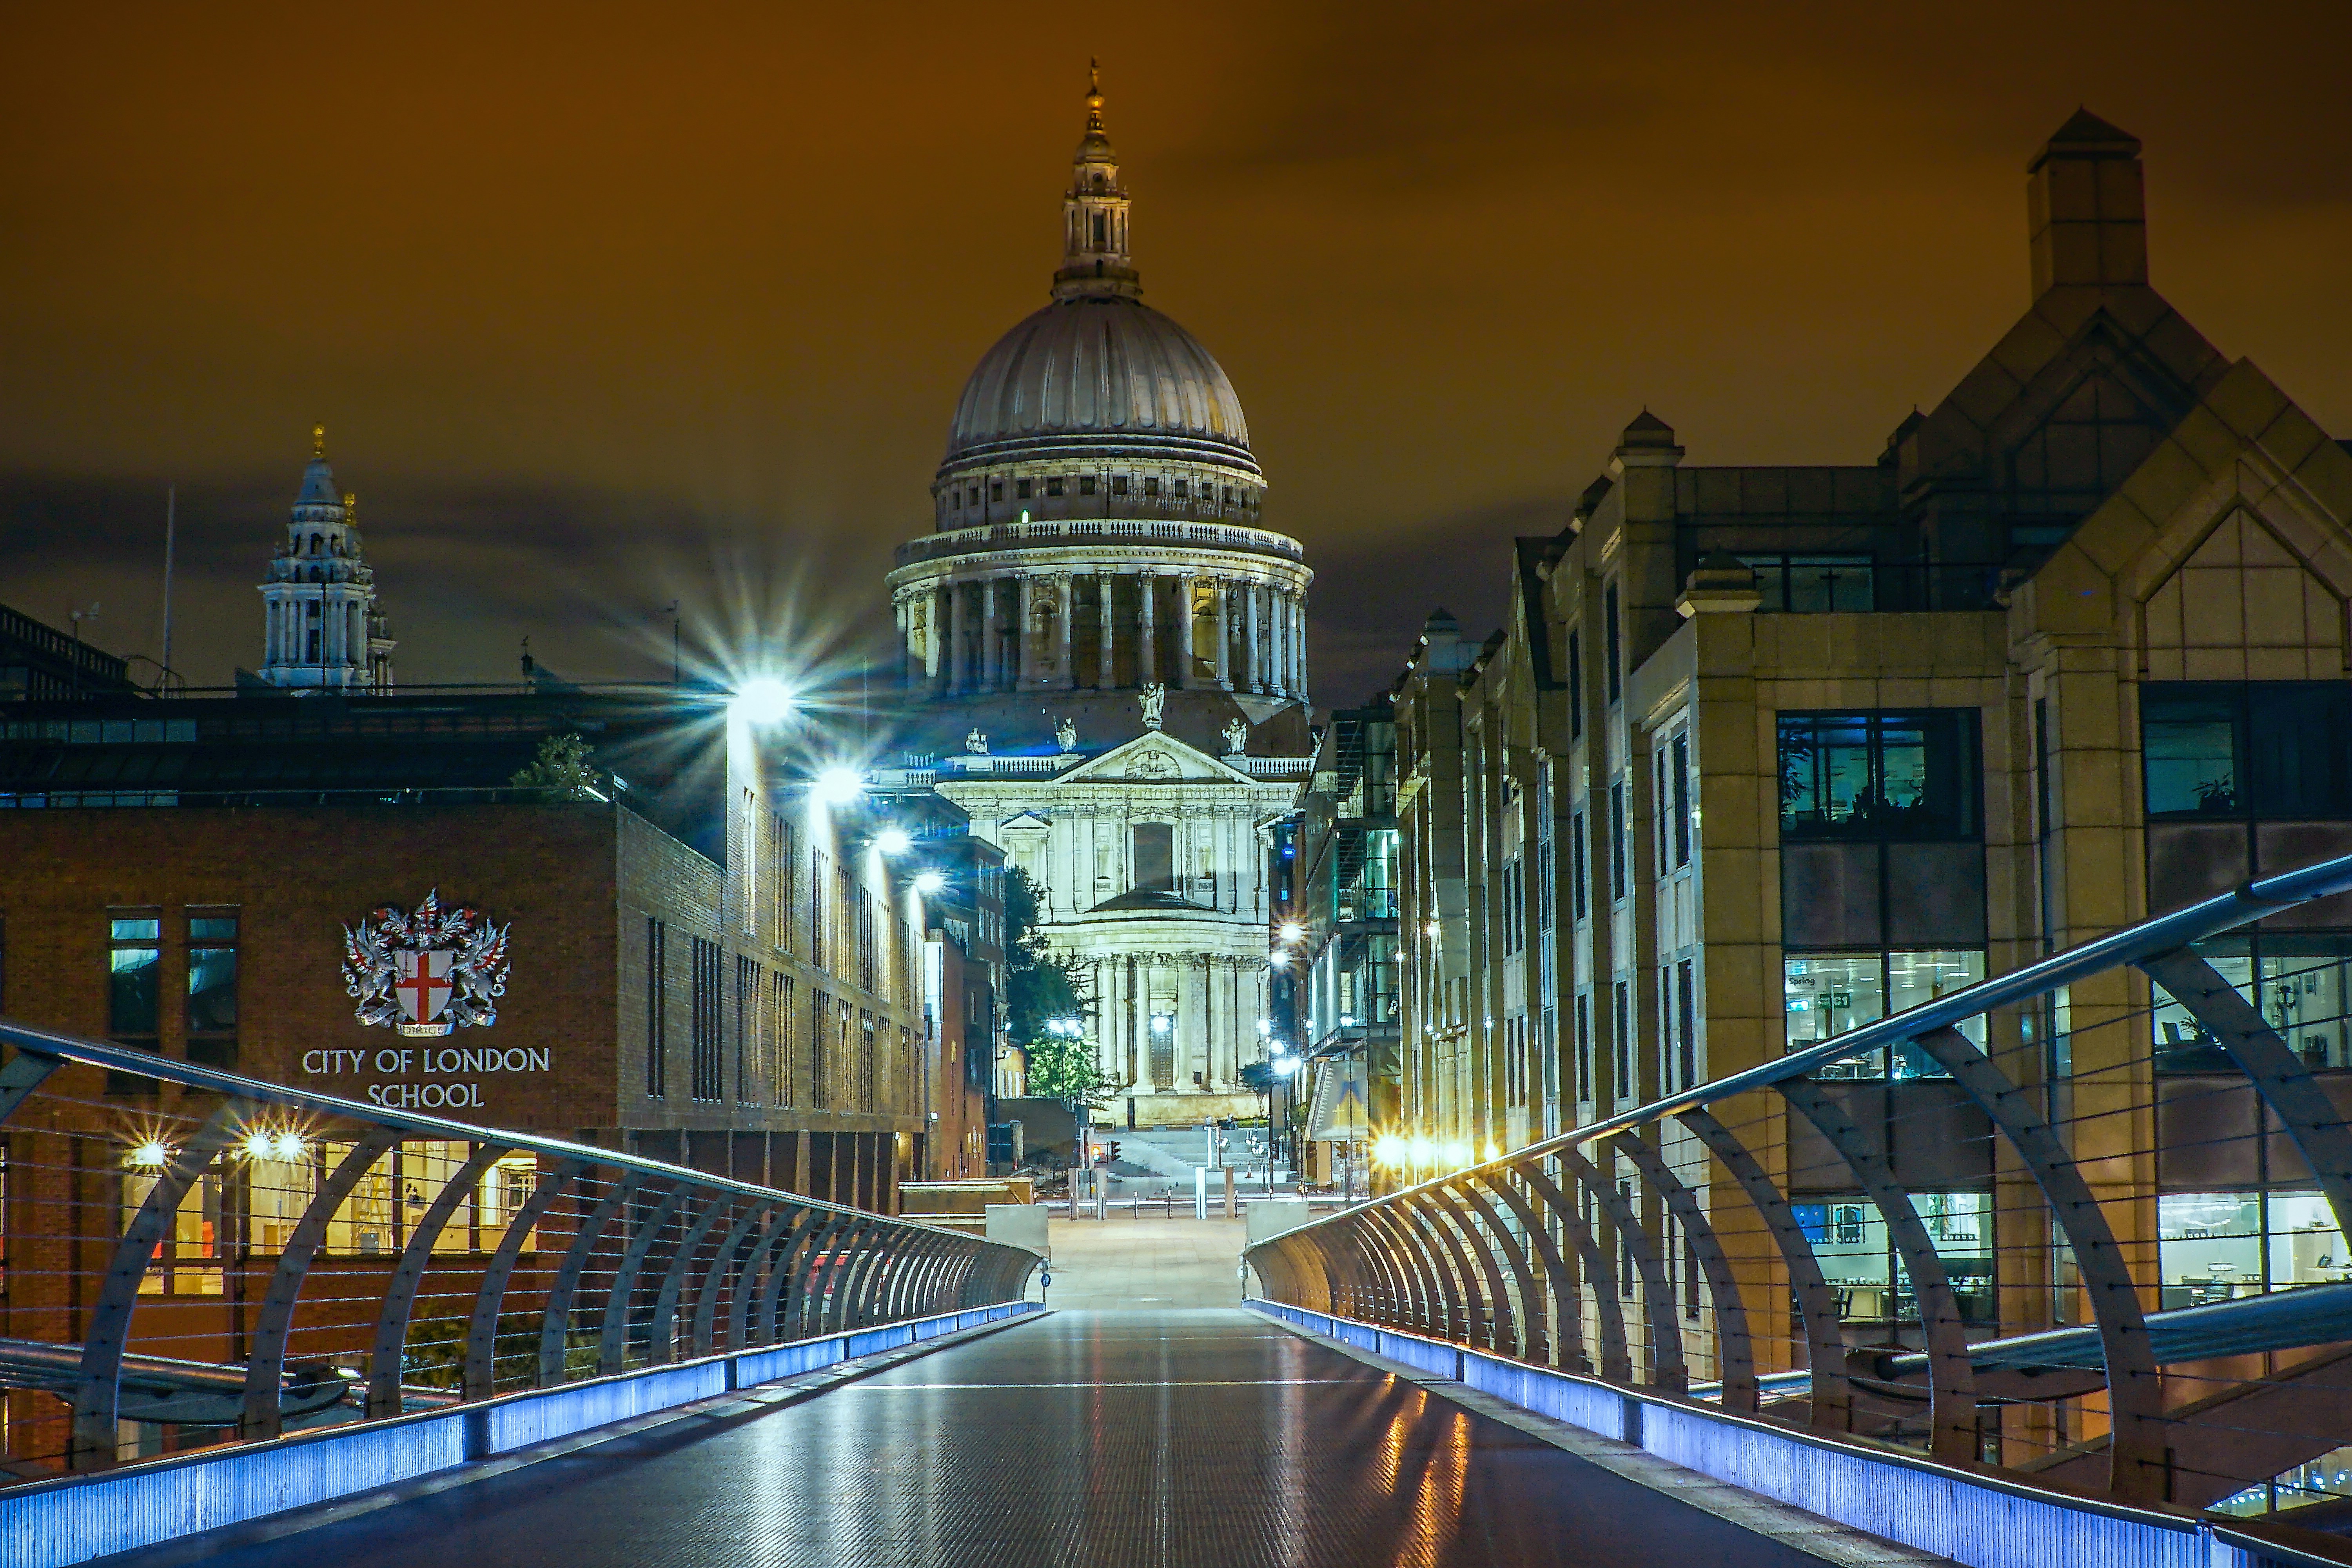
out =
column 427, row 971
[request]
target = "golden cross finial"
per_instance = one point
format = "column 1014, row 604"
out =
column 318, row 441
column 350, row 508
column 1094, row 94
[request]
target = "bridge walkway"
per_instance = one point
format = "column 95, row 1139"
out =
column 1161, row 1438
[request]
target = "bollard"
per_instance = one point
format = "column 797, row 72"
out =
column 1199, row 1191
column 1232, row 1210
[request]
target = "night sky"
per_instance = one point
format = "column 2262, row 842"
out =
column 604, row 305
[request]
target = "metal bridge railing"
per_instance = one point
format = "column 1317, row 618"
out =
column 193, row 1259
column 2082, row 1224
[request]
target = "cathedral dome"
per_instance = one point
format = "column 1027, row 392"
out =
column 1096, row 367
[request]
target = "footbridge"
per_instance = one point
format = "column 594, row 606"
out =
column 2096, row 1312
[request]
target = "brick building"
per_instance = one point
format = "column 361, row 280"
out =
column 1764, row 753
column 707, row 965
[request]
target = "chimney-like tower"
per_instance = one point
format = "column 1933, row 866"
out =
column 2085, row 208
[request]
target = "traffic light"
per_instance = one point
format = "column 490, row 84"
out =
column 1112, row 1149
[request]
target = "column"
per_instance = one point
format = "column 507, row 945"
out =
column 1282, row 656
column 1183, row 675
column 1147, row 663
column 1254, row 670
column 1192, row 1021
column 1105, row 675
column 959, row 662
column 1299, row 643
column 990, row 644
column 1222, row 1023
column 935, row 663
column 1066, row 614
column 1224, row 660
column 1024, row 658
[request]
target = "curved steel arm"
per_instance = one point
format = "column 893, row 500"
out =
column 1735, row 1356
column 97, row 1392
column 555, row 1325
column 1832, row 1408
column 1444, row 1223
column 391, row 1352
column 1600, row 1269
column 612, row 1342
column 265, row 1363
column 482, row 1333
column 1951, row 1378
column 1667, row 1369
column 661, row 1333
column 1527, row 1318
column 1567, row 1306
column 26, row 1071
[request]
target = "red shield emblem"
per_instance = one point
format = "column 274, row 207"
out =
column 423, row 987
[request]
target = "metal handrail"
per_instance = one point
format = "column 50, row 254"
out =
column 2242, row 905
column 1526, row 1253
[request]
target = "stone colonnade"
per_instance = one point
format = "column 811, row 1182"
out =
column 1019, row 632
column 1164, row 1017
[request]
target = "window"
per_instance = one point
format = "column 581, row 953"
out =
column 1118, row 484
column 1576, row 889
column 704, row 981
column 2272, row 749
column 1021, row 489
column 1085, row 484
column 1575, row 686
column 2216, row 1246
column 1618, row 828
column 748, row 991
column 996, row 490
column 1154, row 848
column 1802, row 584
column 1828, row 994
column 211, row 1014
column 1623, row 1020
column 1879, row 775
column 1184, row 488
column 656, row 1008
column 1053, row 485
column 2299, row 982
column 1614, row 675
column 1686, row 1021
column 1857, row 1254
column 780, row 1040
column 135, row 962
column 1150, row 485
column 1681, row 797
column 1584, row 1046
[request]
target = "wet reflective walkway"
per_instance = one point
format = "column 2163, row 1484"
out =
column 1207, row 1438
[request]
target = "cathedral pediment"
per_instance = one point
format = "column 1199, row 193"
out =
column 1155, row 757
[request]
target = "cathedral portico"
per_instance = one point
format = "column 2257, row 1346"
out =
column 1104, row 656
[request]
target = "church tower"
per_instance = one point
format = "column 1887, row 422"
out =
column 1105, row 661
column 321, row 628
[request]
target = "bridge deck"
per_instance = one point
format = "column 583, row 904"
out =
column 1162, row 1438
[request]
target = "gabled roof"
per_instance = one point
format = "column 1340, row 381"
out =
column 1155, row 757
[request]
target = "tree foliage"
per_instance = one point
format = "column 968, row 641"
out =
column 561, row 770
column 1041, row 985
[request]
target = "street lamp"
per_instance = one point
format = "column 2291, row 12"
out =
column 930, row 882
column 762, row 699
column 893, row 841
column 838, row 785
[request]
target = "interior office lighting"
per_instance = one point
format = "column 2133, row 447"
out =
column 287, row 1146
column 1422, row 1150
column 150, row 1153
column 930, row 883
column 893, row 841
column 762, row 699
column 838, row 785
column 1457, row 1153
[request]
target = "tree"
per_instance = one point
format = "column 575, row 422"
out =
column 561, row 770
column 1040, row 986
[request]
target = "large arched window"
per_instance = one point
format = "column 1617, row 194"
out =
column 1152, row 846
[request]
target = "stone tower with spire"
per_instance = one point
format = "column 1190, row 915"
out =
column 321, row 630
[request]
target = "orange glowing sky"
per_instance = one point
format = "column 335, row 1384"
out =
column 604, row 304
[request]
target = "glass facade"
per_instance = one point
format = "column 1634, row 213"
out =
column 2298, row 982
column 1833, row 994
column 1814, row 584
column 2214, row 1246
column 2281, row 748
column 1859, row 1259
column 1879, row 775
